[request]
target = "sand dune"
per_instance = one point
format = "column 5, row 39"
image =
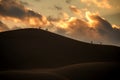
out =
column 34, row 54
column 84, row 71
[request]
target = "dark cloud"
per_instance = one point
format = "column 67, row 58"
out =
column 105, row 29
column 57, row 7
column 68, row 1
column 50, row 18
column 12, row 8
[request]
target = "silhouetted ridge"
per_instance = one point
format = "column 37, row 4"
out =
column 35, row 48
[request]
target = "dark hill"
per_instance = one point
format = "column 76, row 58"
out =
column 34, row 48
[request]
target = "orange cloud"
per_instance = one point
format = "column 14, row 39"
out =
column 92, row 28
column 91, row 20
column 115, row 26
column 98, row 3
column 76, row 11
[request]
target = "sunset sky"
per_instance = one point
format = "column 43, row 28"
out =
column 109, row 9
column 84, row 20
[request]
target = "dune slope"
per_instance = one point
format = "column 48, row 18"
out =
column 35, row 48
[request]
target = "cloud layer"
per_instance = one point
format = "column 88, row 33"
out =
column 93, row 28
column 98, row 3
column 13, row 10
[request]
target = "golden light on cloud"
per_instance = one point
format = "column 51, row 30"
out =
column 36, row 22
column 98, row 3
column 31, row 21
column 66, row 21
column 62, row 24
column 65, row 16
column 13, row 10
column 10, row 18
column 76, row 11
column 92, row 23
column 115, row 26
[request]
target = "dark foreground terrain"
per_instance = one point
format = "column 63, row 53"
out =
column 33, row 54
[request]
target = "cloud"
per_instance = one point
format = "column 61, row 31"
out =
column 15, row 11
column 68, row 1
column 24, row 3
column 57, row 7
column 76, row 11
column 3, row 27
column 11, row 8
column 93, row 28
column 105, row 30
column 98, row 3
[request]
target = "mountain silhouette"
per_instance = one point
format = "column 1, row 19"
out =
column 36, row 49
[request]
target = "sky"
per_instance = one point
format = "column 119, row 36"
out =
column 48, row 7
column 84, row 20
